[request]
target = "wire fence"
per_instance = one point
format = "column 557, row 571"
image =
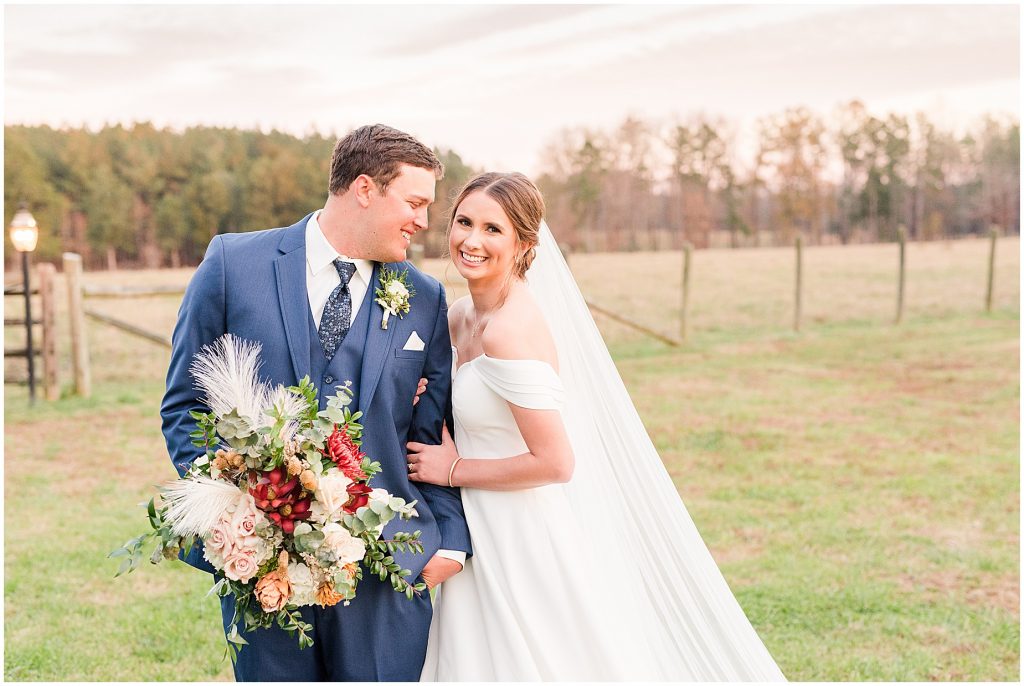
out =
column 114, row 324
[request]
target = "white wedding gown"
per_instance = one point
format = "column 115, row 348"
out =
column 604, row 578
column 532, row 603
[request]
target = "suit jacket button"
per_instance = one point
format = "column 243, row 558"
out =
column 328, row 379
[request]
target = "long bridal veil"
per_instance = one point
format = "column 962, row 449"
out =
column 657, row 561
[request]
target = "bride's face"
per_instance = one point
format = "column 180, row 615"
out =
column 482, row 241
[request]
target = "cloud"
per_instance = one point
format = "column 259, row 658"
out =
column 490, row 25
column 502, row 78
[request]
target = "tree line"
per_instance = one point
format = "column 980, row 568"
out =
column 143, row 196
column 850, row 177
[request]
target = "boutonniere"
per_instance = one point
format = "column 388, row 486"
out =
column 393, row 294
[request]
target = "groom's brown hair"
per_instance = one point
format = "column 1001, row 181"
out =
column 378, row 151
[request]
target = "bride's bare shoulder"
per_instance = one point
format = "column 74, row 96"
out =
column 518, row 331
column 459, row 305
column 457, row 310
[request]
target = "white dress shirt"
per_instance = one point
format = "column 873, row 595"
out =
column 321, row 276
column 321, row 280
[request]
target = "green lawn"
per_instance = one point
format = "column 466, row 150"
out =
column 859, row 486
column 858, row 483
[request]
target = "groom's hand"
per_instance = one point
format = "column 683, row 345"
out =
column 438, row 570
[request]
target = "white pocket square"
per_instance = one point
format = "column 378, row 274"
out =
column 414, row 342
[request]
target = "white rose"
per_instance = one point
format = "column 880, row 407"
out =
column 381, row 496
column 331, row 494
column 346, row 547
column 397, row 289
column 303, row 586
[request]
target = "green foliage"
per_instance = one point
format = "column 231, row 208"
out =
column 167, row 544
column 205, row 433
column 154, row 195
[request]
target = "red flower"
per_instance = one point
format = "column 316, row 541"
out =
column 359, row 495
column 279, row 497
column 344, row 453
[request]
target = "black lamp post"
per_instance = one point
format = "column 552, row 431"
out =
column 24, row 235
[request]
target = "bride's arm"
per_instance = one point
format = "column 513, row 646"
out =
column 549, row 458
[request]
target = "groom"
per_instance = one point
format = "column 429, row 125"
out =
column 306, row 293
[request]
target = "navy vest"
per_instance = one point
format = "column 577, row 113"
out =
column 348, row 358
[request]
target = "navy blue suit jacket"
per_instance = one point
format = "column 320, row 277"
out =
column 253, row 285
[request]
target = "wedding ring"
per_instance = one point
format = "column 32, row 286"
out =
column 409, row 466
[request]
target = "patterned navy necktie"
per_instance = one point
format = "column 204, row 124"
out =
column 336, row 320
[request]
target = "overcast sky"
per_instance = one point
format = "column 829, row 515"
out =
column 495, row 83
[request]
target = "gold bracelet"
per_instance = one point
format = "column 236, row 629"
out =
column 452, row 471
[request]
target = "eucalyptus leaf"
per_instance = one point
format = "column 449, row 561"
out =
column 368, row 517
column 309, row 542
column 335, row 415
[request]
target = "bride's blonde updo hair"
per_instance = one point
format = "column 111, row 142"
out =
column 521, row 201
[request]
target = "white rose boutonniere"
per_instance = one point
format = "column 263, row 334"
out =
column 394, row 294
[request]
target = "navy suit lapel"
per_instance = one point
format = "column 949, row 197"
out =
column 290, row 269
column 378, row 343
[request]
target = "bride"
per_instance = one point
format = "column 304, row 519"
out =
column 586, row 565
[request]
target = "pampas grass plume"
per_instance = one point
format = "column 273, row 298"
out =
column 226, row 373
column 195, row 505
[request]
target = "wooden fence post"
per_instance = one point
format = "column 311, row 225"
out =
column 993, row 235
column 47, row 275
column 76, row 317
column 799, row 282
column 685, row 319
column 901, row 236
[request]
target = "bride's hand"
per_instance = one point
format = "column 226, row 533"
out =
column 431, row 463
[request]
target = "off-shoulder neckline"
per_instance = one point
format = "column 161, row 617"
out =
column 459, row 367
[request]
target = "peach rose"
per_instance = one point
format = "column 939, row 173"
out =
column 274, row 589
column 240, row 565
column 246, row 517
column 218, row 541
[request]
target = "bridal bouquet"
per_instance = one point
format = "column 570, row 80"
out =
column 281, row 499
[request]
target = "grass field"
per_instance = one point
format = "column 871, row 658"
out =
column 858, row 482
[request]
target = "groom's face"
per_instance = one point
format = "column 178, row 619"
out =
column 398, row 213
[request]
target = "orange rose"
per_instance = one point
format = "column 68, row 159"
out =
column 274, row 589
